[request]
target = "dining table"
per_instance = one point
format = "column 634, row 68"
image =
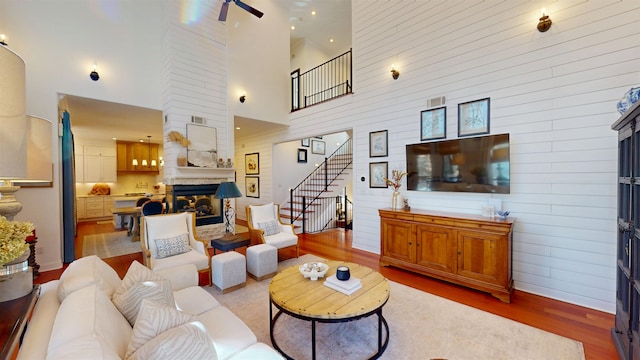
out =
column 135, row 212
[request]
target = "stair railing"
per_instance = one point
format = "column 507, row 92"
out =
column 318, row 181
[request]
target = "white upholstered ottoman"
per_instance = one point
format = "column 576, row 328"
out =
column 228, row 271
column 262, row 261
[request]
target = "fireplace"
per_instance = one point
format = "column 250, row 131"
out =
column 198, row 199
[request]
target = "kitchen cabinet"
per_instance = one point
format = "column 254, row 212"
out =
column 464, row 249
column 100, row 164
column 92, row 207
column 81, row 208
column 129, row 150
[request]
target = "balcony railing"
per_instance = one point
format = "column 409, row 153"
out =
column 324, row 82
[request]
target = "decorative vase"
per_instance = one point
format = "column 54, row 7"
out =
column 630, row 97
column 395, row 200
column 16, row 278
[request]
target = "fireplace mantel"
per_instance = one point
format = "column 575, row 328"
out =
column 189, row 175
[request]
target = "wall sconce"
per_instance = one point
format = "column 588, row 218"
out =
column 94, row 74
column 3, row 39
column 134, row 162
column 243, row 97
column 394, row 73
column 545, row 22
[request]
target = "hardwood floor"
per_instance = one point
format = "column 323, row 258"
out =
column 589, row 326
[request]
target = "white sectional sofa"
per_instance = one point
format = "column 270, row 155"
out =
column 89, row 312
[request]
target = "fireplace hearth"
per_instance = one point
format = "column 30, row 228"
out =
column 197, row 198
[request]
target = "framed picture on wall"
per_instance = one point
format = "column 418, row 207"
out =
column 302, row 155
column 378, row 144
column 473, row 117
column 304, row 142
column 252, row 186
column 433, row 124
column 252, row 164
column 378, row 171
column 318, row 147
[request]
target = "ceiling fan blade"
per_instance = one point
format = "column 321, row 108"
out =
column 223, row 11
column 248, row 8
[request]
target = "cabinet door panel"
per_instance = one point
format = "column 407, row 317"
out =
column 92, row 168
column 399, row 242
column 482, row 256
column 436, row 248
column 109, row 173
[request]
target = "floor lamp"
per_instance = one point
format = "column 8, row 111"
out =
column 227, row 191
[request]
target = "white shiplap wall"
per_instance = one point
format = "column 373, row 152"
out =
column 194, row 71
column 554, row 92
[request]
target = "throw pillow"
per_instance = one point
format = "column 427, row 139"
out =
column 188, row 341
column 260, row 213
column 173, row 245
column 154, row 318
column 270, row 227
column 139, row 283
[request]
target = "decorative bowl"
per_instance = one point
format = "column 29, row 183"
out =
column 313, row 270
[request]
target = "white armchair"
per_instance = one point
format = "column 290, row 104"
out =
column 265, row 227
column 170, row 240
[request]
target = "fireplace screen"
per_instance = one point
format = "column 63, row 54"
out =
column 198, row 199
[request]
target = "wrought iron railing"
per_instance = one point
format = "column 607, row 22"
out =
column 303, row 197
column 324, row 82
column 328, row 213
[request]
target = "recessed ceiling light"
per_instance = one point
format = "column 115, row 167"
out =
column 313, row 12
column 330, row 40
column 293, row 27
column 237, row 127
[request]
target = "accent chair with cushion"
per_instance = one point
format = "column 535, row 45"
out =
column 265, row 227
column 170, row 240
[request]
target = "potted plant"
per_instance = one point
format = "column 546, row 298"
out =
column 16, row 279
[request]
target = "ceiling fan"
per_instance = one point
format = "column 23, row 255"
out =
column 225, row 8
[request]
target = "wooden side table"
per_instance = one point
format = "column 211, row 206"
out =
column 226, row 245
column 14, row 317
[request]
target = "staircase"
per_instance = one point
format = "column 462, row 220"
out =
column 312, row 204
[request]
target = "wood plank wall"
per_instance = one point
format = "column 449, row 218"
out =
column 554, row 92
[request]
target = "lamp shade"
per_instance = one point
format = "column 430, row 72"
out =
column 227, row 190
column 39, row 150
column 13, row 121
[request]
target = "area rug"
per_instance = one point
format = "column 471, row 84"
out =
column 108, row 245
column 421, row 326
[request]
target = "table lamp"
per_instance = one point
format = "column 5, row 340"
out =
column 13, row 133
column 228, row 190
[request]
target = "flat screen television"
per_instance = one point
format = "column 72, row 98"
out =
column 476, row 164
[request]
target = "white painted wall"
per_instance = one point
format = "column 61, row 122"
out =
column 285, row 161
column 554, row 92
column 60, row 41
column 258, row 62
column 305, row 55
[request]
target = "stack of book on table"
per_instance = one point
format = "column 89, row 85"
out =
column 346, row 287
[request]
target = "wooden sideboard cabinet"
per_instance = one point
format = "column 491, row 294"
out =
column 464, row 249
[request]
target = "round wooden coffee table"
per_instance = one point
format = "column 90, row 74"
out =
column 308, row 300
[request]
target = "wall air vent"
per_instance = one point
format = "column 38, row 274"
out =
column 198, row 120
column 437, row 101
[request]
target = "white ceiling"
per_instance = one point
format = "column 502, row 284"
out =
column 102, row 120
